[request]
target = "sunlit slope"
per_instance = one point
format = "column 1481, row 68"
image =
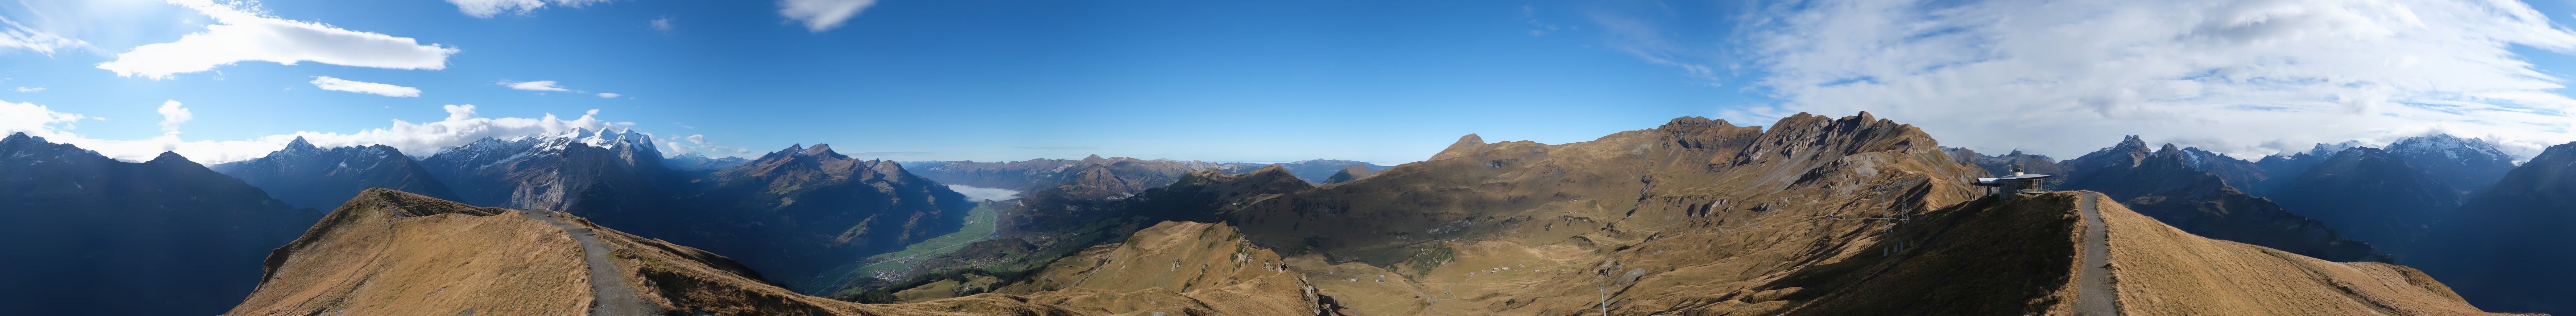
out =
column 394, row 253
column 2161, row 270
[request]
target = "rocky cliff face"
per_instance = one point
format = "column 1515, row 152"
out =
column 2165, row 184
column 312, row 177
column 610, row 176
column 2507, row 247
column 799, row 212
column 2371, row 195
column 88, row 235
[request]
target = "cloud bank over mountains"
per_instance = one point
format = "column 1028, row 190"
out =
column 2245, row 77
column 461, row 126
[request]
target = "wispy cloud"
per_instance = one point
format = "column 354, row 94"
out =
column 661, row 24
column 540, row 85
column 2234, row 76
column 20, row 36
column 28, row 89
column 243, row 33
column 1062, row 148
column 608, row 95
column 171, row 116
column 337, row 84
column 490, row 8
column 984, row 193
column 822, row 15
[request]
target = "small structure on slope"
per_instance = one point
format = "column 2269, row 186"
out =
column 2017, row 182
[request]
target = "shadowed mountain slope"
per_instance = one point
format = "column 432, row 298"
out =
column 318, row 178
column 801, row 211
column 2507, row 248
column 1352, row 172
column 2371, row 195
column 2163, row 184
column 88, row 235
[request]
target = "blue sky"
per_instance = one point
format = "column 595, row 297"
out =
column 1269, row 81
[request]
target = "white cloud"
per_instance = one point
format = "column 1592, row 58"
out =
column 19, row 36
column 540, row 85
column 607, row 95
column 337, row 84
column 2234, row 76
column 821, row 15
column 28, row 89
column 171, row 116
column 982, row 193
column 419, row 139
column 699, row 139
column 489, row 8
column 242, row 33
column 661, row 24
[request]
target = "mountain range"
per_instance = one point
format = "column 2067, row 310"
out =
column 89, row 235
column 1811, row 215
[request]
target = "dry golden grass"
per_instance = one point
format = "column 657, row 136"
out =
column 2165, row 271
column 393, row 253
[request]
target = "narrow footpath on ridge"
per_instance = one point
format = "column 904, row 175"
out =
column 2094, row 294
column 610, row 296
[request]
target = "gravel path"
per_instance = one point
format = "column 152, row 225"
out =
column 611, row 297
column 2094, row 294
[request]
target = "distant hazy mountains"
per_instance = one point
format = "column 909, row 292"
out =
column 693, row 162
column 1114, row 176
column 311, row 177
column 1322, row 170
column 2509, row 246
column 88, row 235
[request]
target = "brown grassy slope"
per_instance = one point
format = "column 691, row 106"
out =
column 392, row 253
column 2161, row 270
column 1179, row 267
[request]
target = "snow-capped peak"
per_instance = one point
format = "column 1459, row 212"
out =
column 2449, row 147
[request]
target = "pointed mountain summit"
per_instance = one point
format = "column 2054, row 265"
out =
column 161, row 237
column 307, row 176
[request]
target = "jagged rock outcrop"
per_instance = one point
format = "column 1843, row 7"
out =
column 2507, row 247
column 800, row 212
column 2371, row 196
column 317, row 178
column 2164, row 184
column 89, row 235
